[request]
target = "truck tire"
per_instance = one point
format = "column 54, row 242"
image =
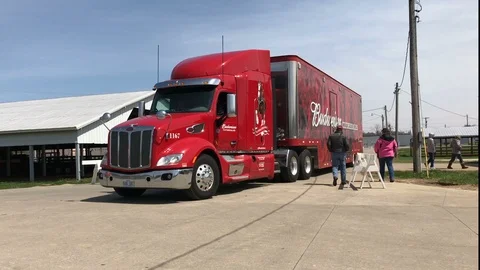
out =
column 129, row 192
column 290, row 173
column 305, row 167
column 205, row 178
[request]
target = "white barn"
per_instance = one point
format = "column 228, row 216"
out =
column 61, row 123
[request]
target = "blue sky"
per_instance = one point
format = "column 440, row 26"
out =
column 67, row 48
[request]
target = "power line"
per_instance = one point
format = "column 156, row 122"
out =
column 462, row 115
column 381, row 108
column 375, row 118
column 406, row 57
column 393, row 102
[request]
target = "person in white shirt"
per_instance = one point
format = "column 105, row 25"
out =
column 456, row 153
column 431, row 151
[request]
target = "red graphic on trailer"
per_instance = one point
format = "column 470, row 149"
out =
column 260, row 129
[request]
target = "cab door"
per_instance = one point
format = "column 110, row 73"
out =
column 226, row 128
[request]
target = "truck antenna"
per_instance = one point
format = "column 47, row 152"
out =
column 158, row 62
column 222, row 62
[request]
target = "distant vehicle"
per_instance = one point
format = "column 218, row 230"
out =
column 231, row 117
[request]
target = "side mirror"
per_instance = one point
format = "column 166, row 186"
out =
column 106, row 117
column 161, row 115
column 231, row 105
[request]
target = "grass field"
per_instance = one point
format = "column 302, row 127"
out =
column 26, row 184
column 442, row 177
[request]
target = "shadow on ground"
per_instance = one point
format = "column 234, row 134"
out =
column 472, row 163
column 159, row 196
column 166, row 196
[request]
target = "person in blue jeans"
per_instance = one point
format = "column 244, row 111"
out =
column 386, row 149
column 338, row 146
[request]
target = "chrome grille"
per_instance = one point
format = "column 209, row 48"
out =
column 131, row 147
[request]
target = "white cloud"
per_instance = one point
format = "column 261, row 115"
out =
column 361, row 43
column 364, row 47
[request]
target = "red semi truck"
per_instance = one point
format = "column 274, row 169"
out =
column 231, row 117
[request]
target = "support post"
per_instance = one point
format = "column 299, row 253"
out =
column 31, row 164
column 441, row 147
column 9, row 163
column 414, row 88
column 471, row 145
column 386, row 117
column 77, row 161
column 44, row 162
column 82, row 170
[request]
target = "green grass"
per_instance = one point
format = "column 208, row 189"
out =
column 9, row 184
column 404, row 156
column 442, row 177
column 405, row 152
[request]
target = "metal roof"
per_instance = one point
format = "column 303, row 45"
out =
column 452, row 132
column 70, row 113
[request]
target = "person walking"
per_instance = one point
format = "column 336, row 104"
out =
column 338, row 146
column 386, row 148
column 431, row 150
column 456, row 146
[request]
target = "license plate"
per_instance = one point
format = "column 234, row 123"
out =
column 128, row 183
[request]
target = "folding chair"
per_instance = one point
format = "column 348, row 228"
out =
column 366, row 164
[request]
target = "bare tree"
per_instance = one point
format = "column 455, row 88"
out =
column 378, row 129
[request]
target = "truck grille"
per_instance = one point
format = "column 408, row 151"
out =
column 130, row 147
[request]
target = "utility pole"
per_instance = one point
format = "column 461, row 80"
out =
column 396, row 111
column 426, row 122
column 383, row 125
column 386, row 122
column 414, row 88
column 158, row 63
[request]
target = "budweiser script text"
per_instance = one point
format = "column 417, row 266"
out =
column 323, row 119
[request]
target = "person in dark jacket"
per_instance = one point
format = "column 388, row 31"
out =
column 338, row 146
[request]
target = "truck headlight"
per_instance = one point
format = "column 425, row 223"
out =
column 169, row 160
column 104, row 161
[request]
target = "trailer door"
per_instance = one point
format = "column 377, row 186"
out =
column 333, row 111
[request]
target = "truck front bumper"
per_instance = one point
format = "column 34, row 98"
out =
column 168, row 179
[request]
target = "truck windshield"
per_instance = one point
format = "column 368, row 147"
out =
column 196, row 98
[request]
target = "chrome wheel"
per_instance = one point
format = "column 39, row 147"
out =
column 294, row 166
column 308, row 164
column 204, row 177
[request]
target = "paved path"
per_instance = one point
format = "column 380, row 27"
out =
column 438, row 166
column 303, row 225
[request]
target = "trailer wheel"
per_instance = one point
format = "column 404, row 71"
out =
column 306, row 167
column 290, row 172
column 129, row 192
column 205, row 178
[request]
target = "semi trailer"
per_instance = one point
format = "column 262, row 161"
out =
column 230, row 117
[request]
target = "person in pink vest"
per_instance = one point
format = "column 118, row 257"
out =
column 386, row 148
